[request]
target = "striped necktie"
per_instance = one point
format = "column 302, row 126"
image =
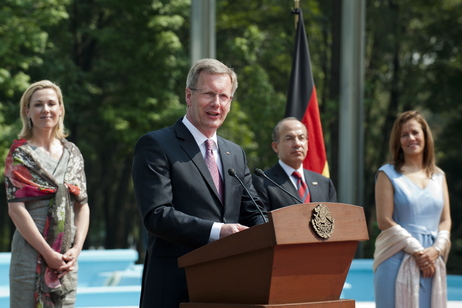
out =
column 213, row 168
column 303, row 191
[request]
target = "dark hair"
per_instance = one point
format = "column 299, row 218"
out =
column 278, row 126
column 396, row 150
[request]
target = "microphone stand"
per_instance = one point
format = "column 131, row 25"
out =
column 232, row 172
column 260, row 173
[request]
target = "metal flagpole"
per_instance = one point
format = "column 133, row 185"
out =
column 296, row 6
column 203, row 36
column 351, row 168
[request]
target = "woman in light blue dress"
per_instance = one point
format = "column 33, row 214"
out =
column 414, row 218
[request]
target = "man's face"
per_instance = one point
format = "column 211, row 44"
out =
column 210, row 102
column 292, row 145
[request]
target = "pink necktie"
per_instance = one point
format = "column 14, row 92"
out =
column 302, row 188
column 213, row 168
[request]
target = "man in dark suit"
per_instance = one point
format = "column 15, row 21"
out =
column 184, row 193
column 290, row 142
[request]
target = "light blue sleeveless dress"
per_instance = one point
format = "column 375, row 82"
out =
column 418, row 211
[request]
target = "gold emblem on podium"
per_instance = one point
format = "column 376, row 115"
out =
column 322, row 221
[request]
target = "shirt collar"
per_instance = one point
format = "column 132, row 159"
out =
column 289, row 170
column 198, row 136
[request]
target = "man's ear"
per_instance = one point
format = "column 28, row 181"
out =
column 275, row 145
column 187, row 97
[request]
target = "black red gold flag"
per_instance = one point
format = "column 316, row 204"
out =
column 302, row 101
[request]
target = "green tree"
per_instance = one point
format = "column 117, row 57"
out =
column 122, row 67
column 122, row 75
column 258, row 39
column 413, row 63
column 23, row 41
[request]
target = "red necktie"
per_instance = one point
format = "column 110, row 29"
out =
column 302, row 188
column 213, row 168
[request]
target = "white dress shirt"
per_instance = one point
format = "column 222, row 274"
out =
column 200, row 139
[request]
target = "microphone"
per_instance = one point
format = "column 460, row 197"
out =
column 232, row 172
column 260, row 173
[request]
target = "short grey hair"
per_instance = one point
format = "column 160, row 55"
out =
column 211, row 66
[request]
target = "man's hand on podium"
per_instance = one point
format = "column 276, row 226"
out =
column 228, row 229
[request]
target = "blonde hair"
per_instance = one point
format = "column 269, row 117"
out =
column 26, row 131
column 396, row 150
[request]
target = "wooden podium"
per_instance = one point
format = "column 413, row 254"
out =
column 291, row 261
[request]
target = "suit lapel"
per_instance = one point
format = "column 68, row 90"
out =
column 284, row 180
column 312, row 186
column 189, row 145
column 225, row 156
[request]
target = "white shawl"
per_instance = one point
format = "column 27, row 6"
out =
column 395, row 239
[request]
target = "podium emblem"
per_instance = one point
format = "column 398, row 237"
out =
column 322, row 221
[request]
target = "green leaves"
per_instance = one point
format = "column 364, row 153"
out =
column 122, row 67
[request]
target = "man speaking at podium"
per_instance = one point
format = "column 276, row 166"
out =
column 191, row 186
column 287, row 183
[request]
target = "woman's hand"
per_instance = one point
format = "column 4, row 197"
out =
column 426, row 259
column 70, row 257
column 55, row 261
column 428, row 270
column 62, row 264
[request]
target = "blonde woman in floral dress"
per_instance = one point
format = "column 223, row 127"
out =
column 47, row 201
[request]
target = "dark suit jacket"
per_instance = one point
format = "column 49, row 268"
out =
column 179, row 203
column 321, row 188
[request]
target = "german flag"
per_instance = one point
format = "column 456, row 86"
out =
column 302, row 102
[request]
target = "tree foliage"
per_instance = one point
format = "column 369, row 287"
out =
column 122, row 68
column 23, row 41
column 413, row 62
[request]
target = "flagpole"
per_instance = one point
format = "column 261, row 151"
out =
column 296, row 6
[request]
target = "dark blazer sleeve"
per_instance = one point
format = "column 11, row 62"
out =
column 271, row 195
column 169, row 192
column 322, row 189
column 260, row 188
column 233, row 156
column 332, row 192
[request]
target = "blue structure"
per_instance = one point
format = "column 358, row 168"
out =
column 106, row 278
column 110, row 278
column 359, row 284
